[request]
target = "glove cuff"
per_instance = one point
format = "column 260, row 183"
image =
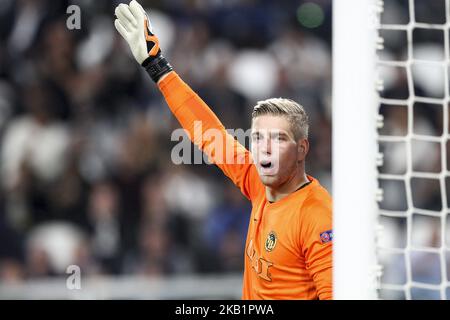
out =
column 157, row 66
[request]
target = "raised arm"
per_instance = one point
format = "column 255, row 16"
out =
column 201, row 124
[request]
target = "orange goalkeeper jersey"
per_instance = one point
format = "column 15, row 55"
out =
column 288, row 252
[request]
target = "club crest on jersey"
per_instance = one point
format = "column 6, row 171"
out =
column 271, row 241
column 326, row 236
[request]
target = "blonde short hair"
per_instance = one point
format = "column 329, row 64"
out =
column 288, row 108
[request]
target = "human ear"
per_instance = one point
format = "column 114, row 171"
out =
column 303, row 148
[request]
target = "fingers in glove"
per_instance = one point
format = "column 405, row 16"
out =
column 136, row 9
column 127, row 20
column 121, row 29
column 125, row 10
column 139, row 12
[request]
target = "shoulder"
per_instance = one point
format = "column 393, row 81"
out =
column 317, row 204
column 317, row 193
column 316, row 219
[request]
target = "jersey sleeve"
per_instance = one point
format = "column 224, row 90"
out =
column 316, row 244
column 206, row 131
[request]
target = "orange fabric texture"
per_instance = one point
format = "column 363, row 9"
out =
column 288, row 251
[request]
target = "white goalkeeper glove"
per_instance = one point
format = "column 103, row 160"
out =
column 134, row 26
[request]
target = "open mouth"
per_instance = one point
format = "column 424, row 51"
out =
column 266, row 164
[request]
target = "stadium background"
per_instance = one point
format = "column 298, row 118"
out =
column 86, row 172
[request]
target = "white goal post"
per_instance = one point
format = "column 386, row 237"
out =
column 392, row 58
column 354, row 148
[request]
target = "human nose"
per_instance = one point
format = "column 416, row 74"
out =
column 266, row 146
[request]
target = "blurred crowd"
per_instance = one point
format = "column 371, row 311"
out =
column 86, row 175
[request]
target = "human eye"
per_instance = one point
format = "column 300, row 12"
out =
column 256, row 136
column 279, row 137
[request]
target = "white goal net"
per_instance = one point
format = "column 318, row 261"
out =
column 413, row 244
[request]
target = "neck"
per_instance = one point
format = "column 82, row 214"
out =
column 290, row 186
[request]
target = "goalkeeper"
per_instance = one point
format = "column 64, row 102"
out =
column 288, row 251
